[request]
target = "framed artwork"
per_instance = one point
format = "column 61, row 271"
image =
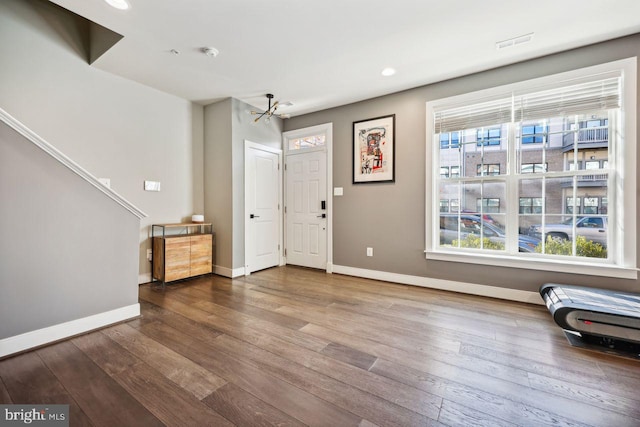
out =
column 374, row 150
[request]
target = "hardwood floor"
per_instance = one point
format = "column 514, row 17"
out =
column 291, row 347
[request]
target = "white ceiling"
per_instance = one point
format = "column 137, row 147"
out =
column 324, row 53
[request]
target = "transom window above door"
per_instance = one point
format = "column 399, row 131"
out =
column 306, row 142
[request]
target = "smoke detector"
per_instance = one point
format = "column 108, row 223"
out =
column 211, row 51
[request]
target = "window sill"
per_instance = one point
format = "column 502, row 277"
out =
column 560, row 266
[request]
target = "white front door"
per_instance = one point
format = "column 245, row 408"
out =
column 306, row 209
column 262, row 204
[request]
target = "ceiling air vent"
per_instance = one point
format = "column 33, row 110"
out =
column 514, row 41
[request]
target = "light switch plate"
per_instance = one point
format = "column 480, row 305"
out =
column 152, row 186
column 338, row 191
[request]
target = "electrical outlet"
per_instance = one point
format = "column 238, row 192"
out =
column 369, row 251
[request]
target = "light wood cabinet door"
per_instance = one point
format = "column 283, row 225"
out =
column 201, row 254
column 177, row 258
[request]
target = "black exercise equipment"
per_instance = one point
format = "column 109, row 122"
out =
column 597, row 319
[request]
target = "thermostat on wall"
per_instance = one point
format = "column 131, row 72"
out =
column 152, row 186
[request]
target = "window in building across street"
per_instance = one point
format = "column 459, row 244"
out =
column 573, row 205
column 486, row 170
column 449, row 140
column 489, row 136
column 491, row 205
column 533, row 168
column 590, row 205
column 543, row 158
column 534, row 134
column 530, row 205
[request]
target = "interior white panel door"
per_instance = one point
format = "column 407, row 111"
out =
column 263, row 230
column 306, row 220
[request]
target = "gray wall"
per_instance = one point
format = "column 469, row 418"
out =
column 395, row 228
column 228, row 124
column 217, row 178
column 244, row 128
column 114, row 128
column 67, row 250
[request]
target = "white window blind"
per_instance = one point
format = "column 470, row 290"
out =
column 473, row 116
column 598, row 94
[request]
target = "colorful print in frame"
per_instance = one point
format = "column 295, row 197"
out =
column 374, row 150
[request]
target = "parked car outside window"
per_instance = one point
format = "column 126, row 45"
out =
column 454, row 227
column 593, row 228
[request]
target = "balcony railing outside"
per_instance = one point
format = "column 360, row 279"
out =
column 588, row 136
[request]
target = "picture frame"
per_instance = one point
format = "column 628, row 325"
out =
column 374, row 150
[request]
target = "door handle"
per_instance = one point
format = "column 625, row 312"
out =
column 254, row 216
column 322, row 216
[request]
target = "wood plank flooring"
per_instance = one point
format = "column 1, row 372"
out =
column 291, row 347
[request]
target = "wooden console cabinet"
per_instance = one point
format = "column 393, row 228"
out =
column 181, row 250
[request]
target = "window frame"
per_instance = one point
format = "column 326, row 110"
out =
column 623, row 256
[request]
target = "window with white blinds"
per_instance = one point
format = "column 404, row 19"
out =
column 563, row 123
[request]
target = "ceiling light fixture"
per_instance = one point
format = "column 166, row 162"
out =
column 268, row 112
column 388, row 72
column 526, row 38
column 118, row 4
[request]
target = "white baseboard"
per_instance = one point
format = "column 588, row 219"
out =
column 144, row 278
column 446, row 285
column 329, row 267
column 61, row 331
column 228, row 272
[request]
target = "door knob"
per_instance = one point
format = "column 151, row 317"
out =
column 254, row 216
column 322, row 216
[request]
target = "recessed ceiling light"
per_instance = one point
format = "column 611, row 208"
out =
column 388, row 72
column 118, row 4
